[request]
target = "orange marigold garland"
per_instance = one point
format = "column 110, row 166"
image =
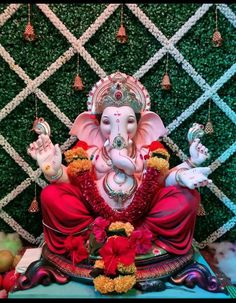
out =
column 116, row 271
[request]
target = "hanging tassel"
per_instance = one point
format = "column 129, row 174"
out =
column 166, row 85
column 217, row 39
column 209, row 128
column 78, row 84
column 34, row 206
column 29, row 33
column 201, row 211
column 121, row 35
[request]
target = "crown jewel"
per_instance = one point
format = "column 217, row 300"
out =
column 118, row 90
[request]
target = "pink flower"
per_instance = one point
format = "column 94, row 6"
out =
column 99, row 228
column 142, row 240
column 156, row 251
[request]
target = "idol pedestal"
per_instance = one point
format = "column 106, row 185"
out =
column 74, row 289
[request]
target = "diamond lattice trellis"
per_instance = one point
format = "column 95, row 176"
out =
column 33, row 82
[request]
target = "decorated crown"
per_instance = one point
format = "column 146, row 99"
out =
column 118, row 90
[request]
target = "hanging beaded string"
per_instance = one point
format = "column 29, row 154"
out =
column 216, row 19
column 29, row 12
column 36, row 107
column 167, row 62
column 122, row 14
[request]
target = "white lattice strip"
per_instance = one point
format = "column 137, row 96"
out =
column 57, row 112
column 185, row 64
column 91, row 30
column 31, row 87
column 227, row 202
column 19, row 160
column 67, row 144
column 205, row 96
column 174, row 147
column 17, row 227
column 228, row 13
column 218, row 233
column 175, row 38
column 59, row 62
column 72, row 39
column 15, row 192
column 223, row 157
column 8, row 12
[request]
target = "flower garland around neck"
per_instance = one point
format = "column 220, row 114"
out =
column 80, row 173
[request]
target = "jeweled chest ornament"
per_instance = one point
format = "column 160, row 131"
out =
column 119, row 142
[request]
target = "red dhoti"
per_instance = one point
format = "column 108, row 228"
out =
column 171, row 218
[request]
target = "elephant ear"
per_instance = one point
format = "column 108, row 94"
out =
column 87, row 129
column 150, row 128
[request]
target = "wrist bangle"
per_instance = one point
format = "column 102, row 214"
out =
column 57, row 176
column 190, row 163
column 177, row 176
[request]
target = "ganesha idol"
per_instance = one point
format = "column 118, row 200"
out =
column 118, row 174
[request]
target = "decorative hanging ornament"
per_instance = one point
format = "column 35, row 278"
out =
column 34, row 206
column 201, row 210
column 217, row 39
column 209, row 126
column 165, row 83
column 29, row 33
column 78, row 84
column 121, row 35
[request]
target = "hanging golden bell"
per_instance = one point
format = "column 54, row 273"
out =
column 201, row 211
column 29, row 33
column 217, row 39
column 121, row 35
column 209, row 127
column 165, row 83
column 78, row 84
column 34, row 206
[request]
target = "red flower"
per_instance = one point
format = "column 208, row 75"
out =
column 116, row 250
column 82, row 144
column 76, row 249
column 155, row 145
column 142, row 240
column 99, row 228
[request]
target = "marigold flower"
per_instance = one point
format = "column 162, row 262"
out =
column 121, row 225
column 75, row 154
column 99, row 264
column 161, row 151
column 130, row 269
column 124, row 283
column 159, row 164
column 78, row 166
column 103, row 284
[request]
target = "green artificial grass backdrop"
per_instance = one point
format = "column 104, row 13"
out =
column 34, row 57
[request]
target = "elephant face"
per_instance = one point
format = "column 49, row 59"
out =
column 118, row 122
column 118, row 125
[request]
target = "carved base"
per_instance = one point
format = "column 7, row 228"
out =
column 190, row 274
column 40, row 272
